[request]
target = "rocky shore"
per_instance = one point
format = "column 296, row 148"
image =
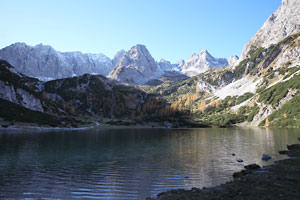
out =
column 280, row 180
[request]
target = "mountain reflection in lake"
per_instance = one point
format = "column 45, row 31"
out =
column 129, row 163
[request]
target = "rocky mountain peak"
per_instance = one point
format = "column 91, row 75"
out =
column 180, row 63
column 288, row 1
column 45, row 63
column 140, row 53
column 203, row 52
column 282, row 23
column 232, row 60
column 118, row 56
column 167, row 66
column 140, row 56
column 137, row 66
column 202, row 61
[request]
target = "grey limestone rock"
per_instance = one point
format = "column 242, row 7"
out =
column 167, row 66
column 137, row 66
column 282, row 23
column 200, row 62
column 118, row 57
column 232, row 60
column 45, row 63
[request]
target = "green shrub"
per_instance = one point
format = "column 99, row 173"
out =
column 244, row 97
column 254, row 112
column 275, row 93
column 291, row 71
column 16, row 113
column 292, row 111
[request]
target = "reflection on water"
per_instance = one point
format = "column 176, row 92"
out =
column 131, row 163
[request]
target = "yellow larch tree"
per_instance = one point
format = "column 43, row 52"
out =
column 201, row 105
column 218, row 102
column 267, row 122
column 207, row 94
column 187, row 102
column 212, row 102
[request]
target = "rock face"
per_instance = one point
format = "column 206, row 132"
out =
column 10, row 90
column 285, row 21
column 136, row 67
column 288, row 55
column 167, row 66
column 118, row 56
column 232, row 60
column 45, row 63
column 90, row 95
column 180, row 63
column 202, row 61
column 19, row 96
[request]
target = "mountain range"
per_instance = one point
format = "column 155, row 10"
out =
column 45, row 63
column 260, row 88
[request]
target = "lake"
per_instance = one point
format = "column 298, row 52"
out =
column 129, row 163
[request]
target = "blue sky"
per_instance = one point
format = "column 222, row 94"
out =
column 171, row 29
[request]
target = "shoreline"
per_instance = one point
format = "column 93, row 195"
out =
column 280, row 180
column 95, row 125
column 149, row 125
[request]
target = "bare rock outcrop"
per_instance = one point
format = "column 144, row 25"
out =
column 45, row 63
column 282, row 23
column 137, row 66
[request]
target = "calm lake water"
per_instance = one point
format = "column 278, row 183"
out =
column 128, row 163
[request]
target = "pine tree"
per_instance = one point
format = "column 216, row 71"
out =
column 44, row 95
column 72, row 110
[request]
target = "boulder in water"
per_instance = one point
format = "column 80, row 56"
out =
column 266, row 157
column 252, row 166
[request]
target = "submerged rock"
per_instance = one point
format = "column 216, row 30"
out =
column 252, row 166
column 248, row 170
column 241, row 173
column 266, row 157
column 277, row 181
column 293, row 147
column 283, row 152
